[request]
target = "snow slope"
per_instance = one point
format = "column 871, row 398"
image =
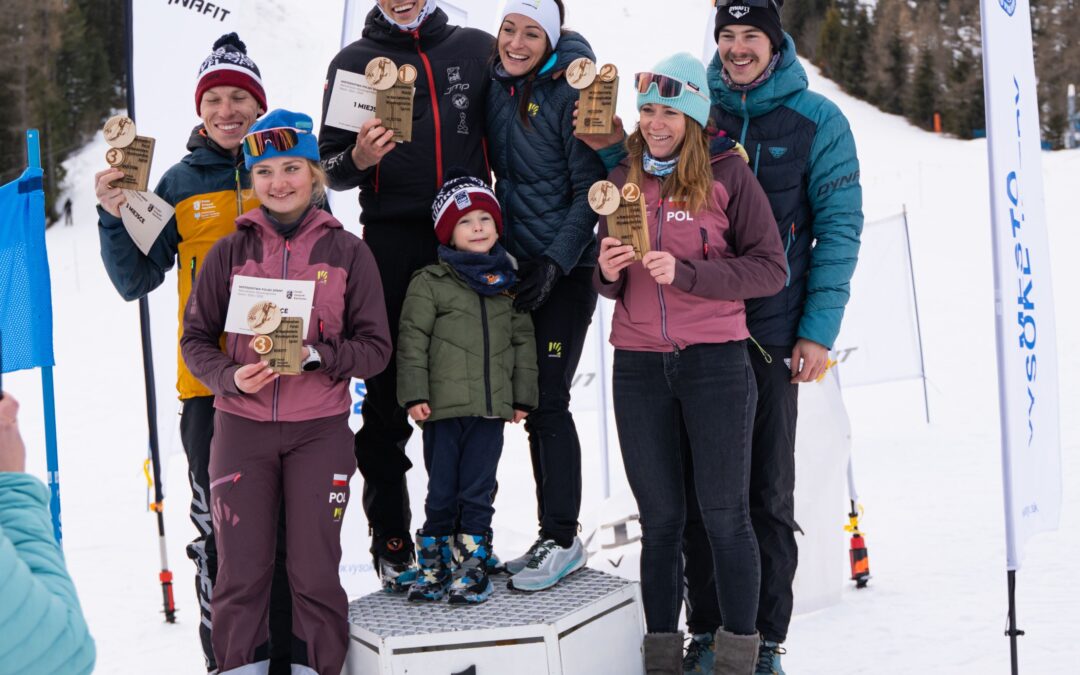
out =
column 934, row 516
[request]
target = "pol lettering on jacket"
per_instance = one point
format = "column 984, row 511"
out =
column 680, row 216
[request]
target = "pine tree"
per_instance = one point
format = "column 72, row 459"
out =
column 923, row 102
column 830, row 44
column 896, row 75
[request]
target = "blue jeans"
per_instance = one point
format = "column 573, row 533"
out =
column 707, row 392
column 462, row 456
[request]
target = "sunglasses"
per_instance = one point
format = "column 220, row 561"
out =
column 280, row 139
column 666, row 87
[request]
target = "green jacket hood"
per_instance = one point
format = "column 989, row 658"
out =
column 788, row 79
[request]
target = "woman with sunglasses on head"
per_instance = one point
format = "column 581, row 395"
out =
column 544, row 175
column 681, row 366
column 287, row 436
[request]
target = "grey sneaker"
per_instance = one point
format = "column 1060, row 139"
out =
column 550, row 564
column 517, row 564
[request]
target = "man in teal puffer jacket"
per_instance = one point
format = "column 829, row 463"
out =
column 803, row 153
column 44, row 632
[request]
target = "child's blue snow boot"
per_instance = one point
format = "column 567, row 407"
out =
column 471, row 584
column 435, row 557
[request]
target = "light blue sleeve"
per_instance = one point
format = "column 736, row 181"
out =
column 42, row 629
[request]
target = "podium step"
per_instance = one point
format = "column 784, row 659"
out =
column 553, row 632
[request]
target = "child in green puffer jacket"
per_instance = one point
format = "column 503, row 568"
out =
column 466, row 365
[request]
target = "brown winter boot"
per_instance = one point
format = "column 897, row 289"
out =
column 663, row 653
column 735, row 654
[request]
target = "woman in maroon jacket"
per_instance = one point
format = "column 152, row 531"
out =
column 681, row 367
column 287, row 436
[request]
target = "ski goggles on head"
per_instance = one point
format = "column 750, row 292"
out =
column 280, row 139
column 667, row 87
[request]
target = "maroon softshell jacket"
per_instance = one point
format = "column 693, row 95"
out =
column 348, row 325
column 724, row 255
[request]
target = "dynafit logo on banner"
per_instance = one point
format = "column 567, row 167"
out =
column 1009, row 6
column 209, row 9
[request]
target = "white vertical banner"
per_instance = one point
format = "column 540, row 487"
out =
column 169, row 42
column 1024, row 301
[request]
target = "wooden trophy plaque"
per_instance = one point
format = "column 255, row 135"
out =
column 627, row 218
column 128, row 152
column 395, row 89
column 279, row 340
column 598, row 97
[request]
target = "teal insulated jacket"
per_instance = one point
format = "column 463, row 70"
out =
column 803, row 153
column 465, row 354
column 42, row 630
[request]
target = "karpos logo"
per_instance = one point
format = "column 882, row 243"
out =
column 738, row 11
column 1009, row 6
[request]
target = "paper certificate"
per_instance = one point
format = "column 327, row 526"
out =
column 257, row 305
column 352, row 101
column 145, row 216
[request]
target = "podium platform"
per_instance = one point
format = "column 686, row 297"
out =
column 589, row 624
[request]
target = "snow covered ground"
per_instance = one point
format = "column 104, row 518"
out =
column 934, row 518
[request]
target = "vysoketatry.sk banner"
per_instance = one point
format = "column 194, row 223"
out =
column 1024, row 301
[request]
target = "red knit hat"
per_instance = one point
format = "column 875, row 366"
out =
column 229, row 66
column 458, row 197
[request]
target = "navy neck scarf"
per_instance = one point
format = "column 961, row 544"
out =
column 486, row 273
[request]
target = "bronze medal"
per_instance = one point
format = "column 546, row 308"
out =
column 262, row 344
column 115, row 156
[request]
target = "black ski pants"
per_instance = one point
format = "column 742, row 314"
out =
column 772, row 508
column 196, row 432
column 561, row 325
column 380, row 443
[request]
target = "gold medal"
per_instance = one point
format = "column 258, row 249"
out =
column 264, row 318
column 119, row 131
column 604, row 197
column 381, row 73
column 581, row 73
column 262, row 344
column 407, row 74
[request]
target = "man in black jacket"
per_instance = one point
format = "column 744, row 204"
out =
column 398, row 183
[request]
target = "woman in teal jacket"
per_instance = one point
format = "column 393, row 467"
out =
column 42, row 630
